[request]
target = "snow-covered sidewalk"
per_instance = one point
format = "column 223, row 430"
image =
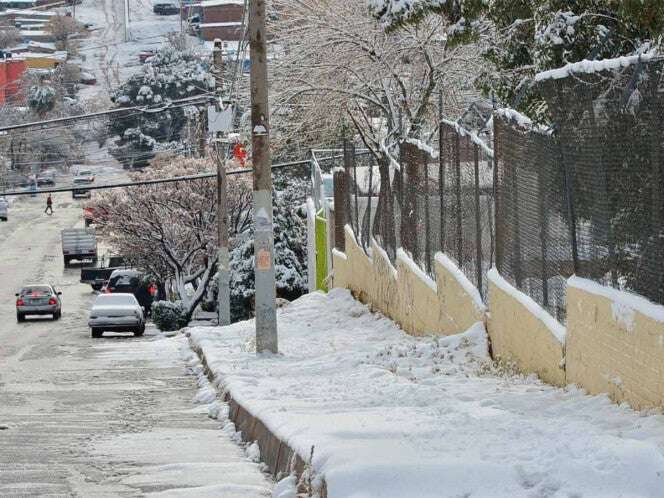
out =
column 391, row 415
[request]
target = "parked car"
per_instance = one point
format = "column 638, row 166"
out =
column 130, row 281
column 118, row 313
column 166, row 9
column 79, row 193
column 144, row 55
column 98, row 276
column 85, row 174
column 39, row 299
column 46, row 178
column 4, row 209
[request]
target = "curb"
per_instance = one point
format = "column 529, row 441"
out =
column 277, row 455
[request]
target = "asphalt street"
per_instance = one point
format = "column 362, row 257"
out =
column 97, row 417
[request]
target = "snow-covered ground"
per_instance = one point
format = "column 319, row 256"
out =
column 105, row 52
column 391, row 415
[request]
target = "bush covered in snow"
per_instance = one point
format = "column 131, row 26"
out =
column 42, row 98
column 168, row 316
column 172, row 73
column 289, row 250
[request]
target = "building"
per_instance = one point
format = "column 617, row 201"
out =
column 11, row 72
column 222, row 19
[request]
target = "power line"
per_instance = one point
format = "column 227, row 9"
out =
column 158, row 181
column 138, row 109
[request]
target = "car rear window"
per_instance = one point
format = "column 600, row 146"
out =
column 127, row 280
column 37, row 290
column 114, row 299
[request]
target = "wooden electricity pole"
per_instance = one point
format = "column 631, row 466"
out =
column 223, row 282
column 266, row 315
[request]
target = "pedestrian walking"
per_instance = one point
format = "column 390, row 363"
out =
column 49, row 205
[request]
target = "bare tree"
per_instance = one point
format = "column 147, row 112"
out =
column 9, row 37
column 169, row 230
column 63, row 28
column 336, row 64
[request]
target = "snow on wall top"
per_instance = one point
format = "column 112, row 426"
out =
column 557, row 329
column 473, row 137
column 463, row 281
column 412, row 266
column 589, row 67
column 622, row 302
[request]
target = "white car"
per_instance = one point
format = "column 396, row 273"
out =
column 118, row 313
column 4, row 208
column 85, row 174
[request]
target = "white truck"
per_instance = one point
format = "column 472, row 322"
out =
column 79, row 244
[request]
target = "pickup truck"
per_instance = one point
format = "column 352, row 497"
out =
column 97, row 276
column 80, row 244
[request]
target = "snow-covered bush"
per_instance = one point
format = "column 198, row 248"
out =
column 290, row 253
column 168, row 316
column 172, row 73
column 41, row 98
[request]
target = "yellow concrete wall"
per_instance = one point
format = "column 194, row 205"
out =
column 405, row 294
column 461, row 305
column 522, row 332
column 615, row 344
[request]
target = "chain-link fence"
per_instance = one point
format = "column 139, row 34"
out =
column 584, row 196
column 435, row 201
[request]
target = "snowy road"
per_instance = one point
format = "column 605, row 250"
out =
column 105, row 417
column 105, row 52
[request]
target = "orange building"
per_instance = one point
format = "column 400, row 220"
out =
column 11, row 71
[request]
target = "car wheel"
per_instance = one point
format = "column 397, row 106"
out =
column 57, row 315
column 20, row 317
column 66, row 259
column 96, row 333
column 140, row 331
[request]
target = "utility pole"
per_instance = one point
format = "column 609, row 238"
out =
column 224, row 294
column 181, row 14
column 223, row 283
column 266, row 313
column 126, row 20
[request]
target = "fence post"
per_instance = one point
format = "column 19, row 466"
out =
column 567, row 185
column 497, row 193
column 478, row 224
column 366, row 238
column 459, row 218
column 441, row 182
column 544, row 224
column 409, row 239
column 427, row 220
column 340, row 213
column 516, row 263
column 349, row 167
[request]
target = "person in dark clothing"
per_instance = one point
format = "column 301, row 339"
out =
column 49, row 205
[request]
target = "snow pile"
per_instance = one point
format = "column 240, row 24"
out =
column 391, row 415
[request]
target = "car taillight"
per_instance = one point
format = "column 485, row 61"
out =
column 106, row 290
column 52, row 301
column 20, row 302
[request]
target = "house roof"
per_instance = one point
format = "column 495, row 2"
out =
column 215, row 3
